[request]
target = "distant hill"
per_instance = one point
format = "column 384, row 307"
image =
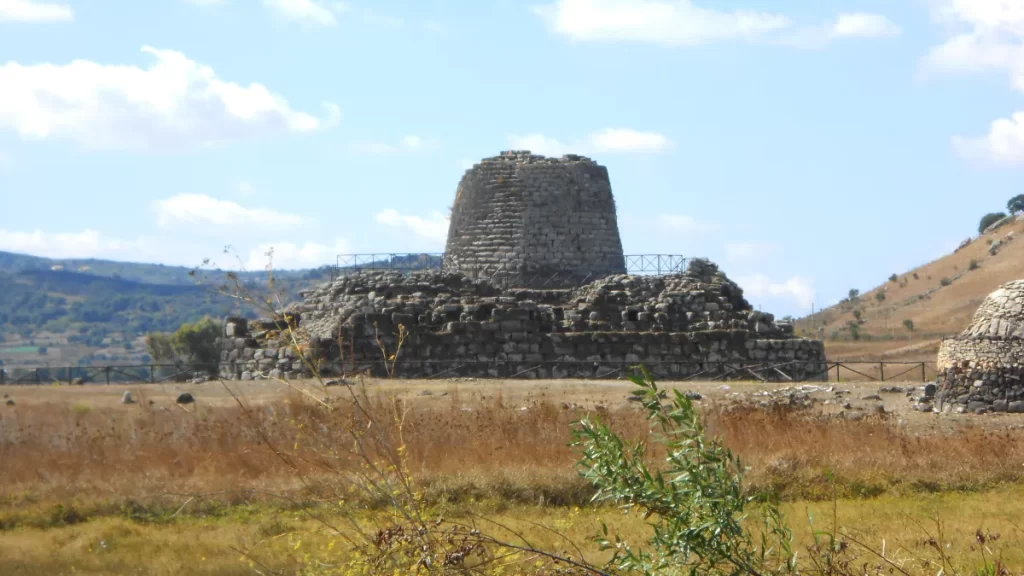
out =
column 58, row 312
column 938, row 298
column 138, row 272
column 64, row 312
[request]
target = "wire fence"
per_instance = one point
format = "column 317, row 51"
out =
column 676, row 370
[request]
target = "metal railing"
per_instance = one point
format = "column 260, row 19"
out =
column 504, row 273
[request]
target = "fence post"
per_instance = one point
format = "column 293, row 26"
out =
column 107, row 370
column 837, row 373
column 881, row 369
column 152, row 374
column 923, row 379
column 3, row 375
column 69, row 374
column 37, row 376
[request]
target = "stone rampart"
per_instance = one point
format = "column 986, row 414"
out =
column 683, row 325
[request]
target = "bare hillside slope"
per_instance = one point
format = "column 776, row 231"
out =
column 905, row 317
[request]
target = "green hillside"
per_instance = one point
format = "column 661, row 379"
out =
column 85, row 311
column 70, row 312
column 137, row 271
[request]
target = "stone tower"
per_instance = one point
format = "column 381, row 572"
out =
column 527, row 220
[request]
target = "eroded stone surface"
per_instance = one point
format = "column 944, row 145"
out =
column 533, row 286
column 529, row 220
column 677, row 325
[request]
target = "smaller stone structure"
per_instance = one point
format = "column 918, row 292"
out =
column 982, row 369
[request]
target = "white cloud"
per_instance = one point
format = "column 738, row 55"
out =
column 246, row 189
column 306, row 11
column 176, row 103
column 739, row 251
column 683, row 23
column 984, row 35
column 32, row 11
column 864, row 25
column 685, row 224
column 673, row 22
column 1004, row 143
column 290, row 256
column 434, row 228
column 626, row 140
column 797, row 288
column 170, row 250
column 88, row 243
column 540, row 144
column 609, row 140
column 203, row 209
column 410, row 143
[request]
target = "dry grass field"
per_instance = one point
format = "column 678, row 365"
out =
column 241, row 482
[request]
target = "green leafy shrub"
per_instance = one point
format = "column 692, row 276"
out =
column 697, row 496
column 989, row 219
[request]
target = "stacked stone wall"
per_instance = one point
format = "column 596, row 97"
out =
column 684, row 325
column 535, row 221
column 982, row 374
column 982, row 369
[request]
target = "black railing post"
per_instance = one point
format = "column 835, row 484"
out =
column 881, row 369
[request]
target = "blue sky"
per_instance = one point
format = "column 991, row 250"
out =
column 807, row 147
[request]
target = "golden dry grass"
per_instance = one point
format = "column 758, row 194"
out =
column 90, row 486
column 460, row 447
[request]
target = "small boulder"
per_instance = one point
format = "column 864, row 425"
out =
column 185, row 398
column 930, row 390
column 127, row 398
column 975, row 405
column 78, row 381
column 871, row 397
column 10, row 401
